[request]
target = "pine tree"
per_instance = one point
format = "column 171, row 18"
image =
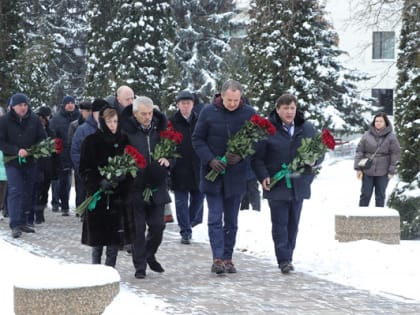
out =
column 11, row 38
column 145, row 29
column 202, row 43
column 100, row 78
column 407, row 118
column 292, row 48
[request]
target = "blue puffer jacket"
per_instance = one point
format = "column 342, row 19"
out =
column 278, row 149
column 60, row 125
column 214, row 127
column 87, row 128
column 19, row 133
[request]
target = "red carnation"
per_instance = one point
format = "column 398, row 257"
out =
column 58, row 145
column 136, row 155
column 328, row 139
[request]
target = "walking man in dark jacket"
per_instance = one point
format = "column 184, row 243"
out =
column 185, row 175
column 143, row 128
column 59, row 124
column 285, row 202
column 216, row 124
column 19, row 130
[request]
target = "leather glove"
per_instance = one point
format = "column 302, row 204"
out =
column 105, row 185
column 121, row 178
column 232, row 158
column 217, row 165
column 359, row 175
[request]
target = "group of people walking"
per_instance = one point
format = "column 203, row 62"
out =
column 94, row 132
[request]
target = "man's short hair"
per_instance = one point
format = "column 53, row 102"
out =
column 232, row 85
column 147, row 101
column 286, row 99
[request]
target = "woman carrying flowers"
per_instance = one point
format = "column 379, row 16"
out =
column 273, row 156
column 109, row 223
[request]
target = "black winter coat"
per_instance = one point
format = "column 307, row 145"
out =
column 185, row 175
column 278, row 149
column 145, row 141
column 102, row 226
column 60, row 125
column 19, row 133
column 215, row 126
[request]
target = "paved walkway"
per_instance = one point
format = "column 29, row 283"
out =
column 189, row 288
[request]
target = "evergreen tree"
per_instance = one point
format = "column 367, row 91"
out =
column 202, row 43
column 292, row 48
column 407, row 118
column 11, row 38
column 145, row 29
column 100, row 78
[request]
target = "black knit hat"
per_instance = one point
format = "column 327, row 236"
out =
column 85, row 105
column 18, row 98
column 44, row 111
column 184, row 95
column 98, row 104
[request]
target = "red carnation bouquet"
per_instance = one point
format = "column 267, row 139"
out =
column 310, row 150
column 243, row 141
column 118, row 166
column 166, row 148
column 45, row 148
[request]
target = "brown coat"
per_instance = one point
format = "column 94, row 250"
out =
column 385, row 160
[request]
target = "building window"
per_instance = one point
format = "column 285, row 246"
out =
column 384, row 99
column 383, row 45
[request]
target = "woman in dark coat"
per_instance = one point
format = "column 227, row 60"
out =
column 109, row 224
column 380, row 139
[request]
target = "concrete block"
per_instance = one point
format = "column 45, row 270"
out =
column 376, row 224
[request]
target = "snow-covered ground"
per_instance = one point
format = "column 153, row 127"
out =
column 390, row 270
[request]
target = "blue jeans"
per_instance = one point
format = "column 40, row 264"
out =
column 368, row 183
column 61, row 190
column 20, row 187
column 285, row 216
column 188, row 214
column 223, row 224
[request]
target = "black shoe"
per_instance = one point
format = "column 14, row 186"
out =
column 65, row 213
column 286, row 267
column 155, row 266
column 16, row 232
column 218, row 267
column 140, row 274
column 26, row 229
column 186, row 240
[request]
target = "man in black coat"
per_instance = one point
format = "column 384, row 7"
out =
column 142, row 129
column 19, row 130
column 185, row 175
column 59, row 124
column 285, row 202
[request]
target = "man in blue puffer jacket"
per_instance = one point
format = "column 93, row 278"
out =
column 285, row 203
column 216, row 124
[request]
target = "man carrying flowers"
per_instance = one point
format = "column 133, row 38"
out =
column 217, row 123
column 20, row 129
column 144, row 124
column 271, row 164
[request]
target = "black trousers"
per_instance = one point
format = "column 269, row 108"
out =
column 251, row 196
column 379, row 183
column 144, row 247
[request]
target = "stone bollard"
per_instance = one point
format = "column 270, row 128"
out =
column 371, row 223
column 66, row 289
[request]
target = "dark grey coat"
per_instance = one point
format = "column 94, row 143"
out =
column 385, row 161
